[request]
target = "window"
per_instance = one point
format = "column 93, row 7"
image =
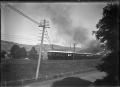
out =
column 69, row 54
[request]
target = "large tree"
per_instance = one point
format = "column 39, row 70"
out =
column 108, row 33
column 3, row 54
column 33, row 53
column 23, row 52
column 15, row 52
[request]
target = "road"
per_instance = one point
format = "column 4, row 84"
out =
column 88, row 76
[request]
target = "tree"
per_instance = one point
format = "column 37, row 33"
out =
column 3, row 54
column 23, row 52
column 15, row 52
column 33, row 54
column 108, row 34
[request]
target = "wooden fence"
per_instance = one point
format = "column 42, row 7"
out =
column 42, row 79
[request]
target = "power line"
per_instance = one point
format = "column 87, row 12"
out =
column 22, row 39
column 19, row 37
column 13, row 8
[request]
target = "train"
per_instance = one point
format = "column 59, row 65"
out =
column 68, row 55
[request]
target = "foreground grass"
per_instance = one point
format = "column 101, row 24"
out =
column 21, row 69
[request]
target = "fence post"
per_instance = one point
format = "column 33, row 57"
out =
column 5, row 83
column 67, row 73
column 46, row 76
column 43, row 79
column 72, row 72
column 22, row 81
column 62, row 74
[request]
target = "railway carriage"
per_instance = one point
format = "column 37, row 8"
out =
column 60, row 55
column 67, row 55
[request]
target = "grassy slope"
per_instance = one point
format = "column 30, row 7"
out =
column 14, row 70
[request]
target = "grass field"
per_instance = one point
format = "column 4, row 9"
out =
column 20, row 69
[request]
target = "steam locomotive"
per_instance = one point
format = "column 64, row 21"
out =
column 67, row 55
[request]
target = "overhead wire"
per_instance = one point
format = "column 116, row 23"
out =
column 19, row 37
column 13, row 8
column 46, row 32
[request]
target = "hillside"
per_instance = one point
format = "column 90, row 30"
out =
column 6, row 45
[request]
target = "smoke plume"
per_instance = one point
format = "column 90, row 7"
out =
column 60, row 16
column 93, row 46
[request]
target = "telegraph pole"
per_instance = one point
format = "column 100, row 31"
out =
column 52, row 47
column 42, row 24
column 74, row 50
column 70, row 46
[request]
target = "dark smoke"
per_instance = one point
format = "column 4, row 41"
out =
column 80, row 35
column 93, row 46
column 60, row 16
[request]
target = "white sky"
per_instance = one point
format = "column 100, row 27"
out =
column 69, row 22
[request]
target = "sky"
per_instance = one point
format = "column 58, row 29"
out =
column 69, row 22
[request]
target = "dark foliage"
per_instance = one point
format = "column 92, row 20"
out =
column 108, row 34
column 108, row 26
column 33, row 54
column 23, row 52
column 111, row 67
column 17, row 52
column 71, row 82
column 3, row 54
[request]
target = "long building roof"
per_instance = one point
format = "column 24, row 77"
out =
column 61, row 51
column 68, row 52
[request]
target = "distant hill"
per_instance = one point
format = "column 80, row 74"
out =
column 6, row 45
